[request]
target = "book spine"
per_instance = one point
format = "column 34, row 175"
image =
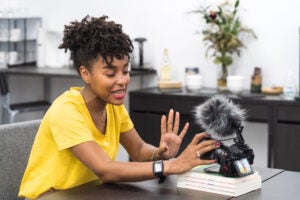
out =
column 212, row 177
column 218, row 186
column 220, row 191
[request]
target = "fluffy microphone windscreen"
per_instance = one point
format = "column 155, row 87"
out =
column 219, row 115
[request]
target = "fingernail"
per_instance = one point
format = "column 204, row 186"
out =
column 218, row 144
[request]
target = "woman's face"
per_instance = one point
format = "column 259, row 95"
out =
column 108, row 83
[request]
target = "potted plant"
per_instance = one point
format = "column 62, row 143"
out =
column 221, row 35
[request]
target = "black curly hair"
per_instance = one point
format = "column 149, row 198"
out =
column 93, row 37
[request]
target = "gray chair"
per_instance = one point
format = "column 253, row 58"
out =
column 16, row 140
column 13, row 109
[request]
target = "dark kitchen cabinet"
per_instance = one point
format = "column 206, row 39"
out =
column 282, row 117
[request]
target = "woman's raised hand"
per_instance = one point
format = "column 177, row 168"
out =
column 171, row 139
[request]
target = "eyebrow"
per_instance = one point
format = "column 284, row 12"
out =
column 109, row 66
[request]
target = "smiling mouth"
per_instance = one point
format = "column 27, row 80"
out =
column 119, row 91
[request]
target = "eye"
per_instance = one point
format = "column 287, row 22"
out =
column 110, row 75
column 126, row 72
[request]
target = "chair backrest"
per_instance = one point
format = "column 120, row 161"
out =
column 3, row 84
column 16, row 140
column 4, row 92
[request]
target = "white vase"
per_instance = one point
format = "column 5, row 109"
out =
column 235, row 83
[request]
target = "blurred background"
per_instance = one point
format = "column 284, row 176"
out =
column 167, row 24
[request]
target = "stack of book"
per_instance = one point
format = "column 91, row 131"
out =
column 198, row 179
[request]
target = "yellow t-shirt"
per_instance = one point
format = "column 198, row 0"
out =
column 67, row 123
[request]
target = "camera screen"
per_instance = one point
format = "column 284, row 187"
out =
column 243, row 167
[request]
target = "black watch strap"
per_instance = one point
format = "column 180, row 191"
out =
column 161, row 179
column 158, row 170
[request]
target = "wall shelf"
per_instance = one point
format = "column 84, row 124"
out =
column 18, row 41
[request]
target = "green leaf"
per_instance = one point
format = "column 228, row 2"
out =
column 237, row 3
column 217, row 60
column 221, row 37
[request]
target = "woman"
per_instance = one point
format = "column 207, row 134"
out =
column 78, row 138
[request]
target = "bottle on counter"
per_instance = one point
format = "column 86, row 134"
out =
column 289, row 88
column 165, row 69
column 256, row 81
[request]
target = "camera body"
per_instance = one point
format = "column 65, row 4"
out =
column 234, row 160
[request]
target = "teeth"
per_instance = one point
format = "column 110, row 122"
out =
column 119, row 92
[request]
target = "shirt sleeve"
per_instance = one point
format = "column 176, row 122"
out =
column 69, row 127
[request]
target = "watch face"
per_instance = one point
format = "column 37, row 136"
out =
column 158, row 170
column 158, row 167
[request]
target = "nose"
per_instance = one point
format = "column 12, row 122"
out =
column 122, row 79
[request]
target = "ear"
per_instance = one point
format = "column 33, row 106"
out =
column 85, row 74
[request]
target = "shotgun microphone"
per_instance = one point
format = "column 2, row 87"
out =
column 219, row 116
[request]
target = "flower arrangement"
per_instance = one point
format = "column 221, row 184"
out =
column 221, row 35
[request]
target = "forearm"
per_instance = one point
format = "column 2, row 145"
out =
column 94, row 158
column 146, row 152
column 115, row 171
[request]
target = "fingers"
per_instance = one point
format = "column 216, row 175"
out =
column 198, row 137
column 163, row 125
column 176, row 123
column 184, row 130
column 170, row 121
column 169, row 125
column 206, row 143
column 206, row 162
column 207, row 146
column 204, row 146
column 161, row 149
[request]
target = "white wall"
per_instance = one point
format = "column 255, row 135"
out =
column 166, row 24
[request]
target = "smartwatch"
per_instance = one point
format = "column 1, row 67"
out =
column 158, row 170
